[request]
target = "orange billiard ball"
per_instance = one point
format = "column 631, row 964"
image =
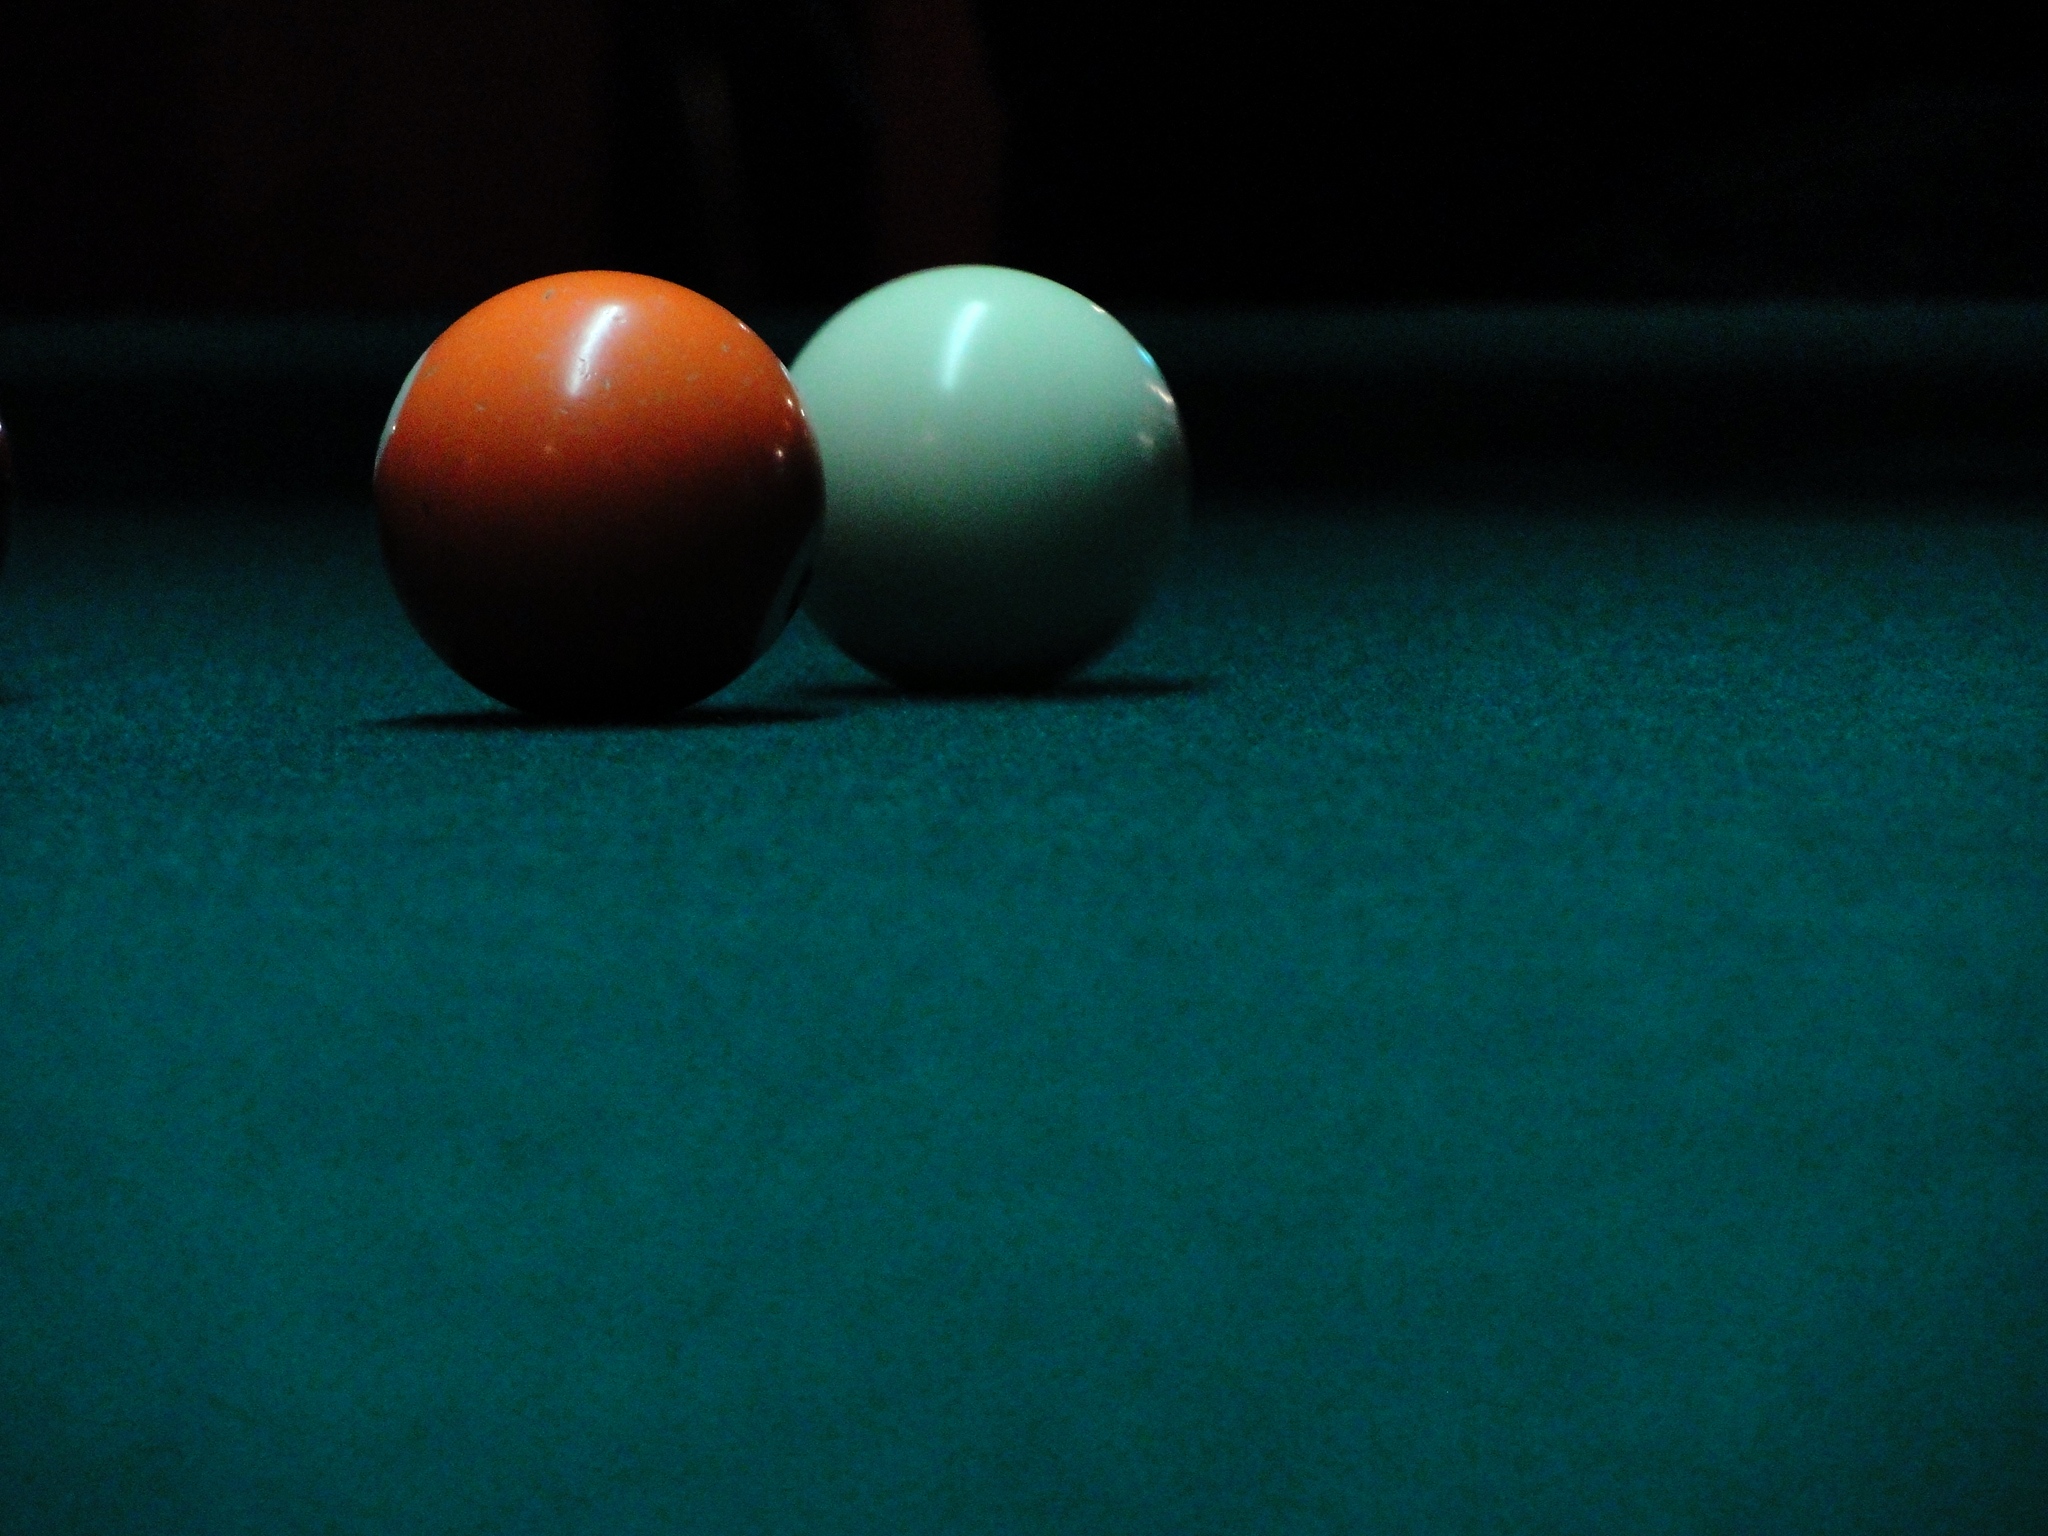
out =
column 598, row 497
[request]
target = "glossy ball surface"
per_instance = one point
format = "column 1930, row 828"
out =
column 598, row 496
column 1005, row 478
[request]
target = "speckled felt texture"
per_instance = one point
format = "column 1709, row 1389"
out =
column 1470, row 1021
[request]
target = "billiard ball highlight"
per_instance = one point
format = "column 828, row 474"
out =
column 1005, row 478
column 598, row 496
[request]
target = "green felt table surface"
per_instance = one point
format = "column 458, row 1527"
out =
column 1475, row 1019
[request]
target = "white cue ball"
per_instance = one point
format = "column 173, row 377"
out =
column 1005, row 478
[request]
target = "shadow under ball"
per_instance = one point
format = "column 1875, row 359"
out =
column 1005, row 479
column 598, row 497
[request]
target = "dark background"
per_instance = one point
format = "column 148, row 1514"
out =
column 1376, row 250
column 210, row 156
